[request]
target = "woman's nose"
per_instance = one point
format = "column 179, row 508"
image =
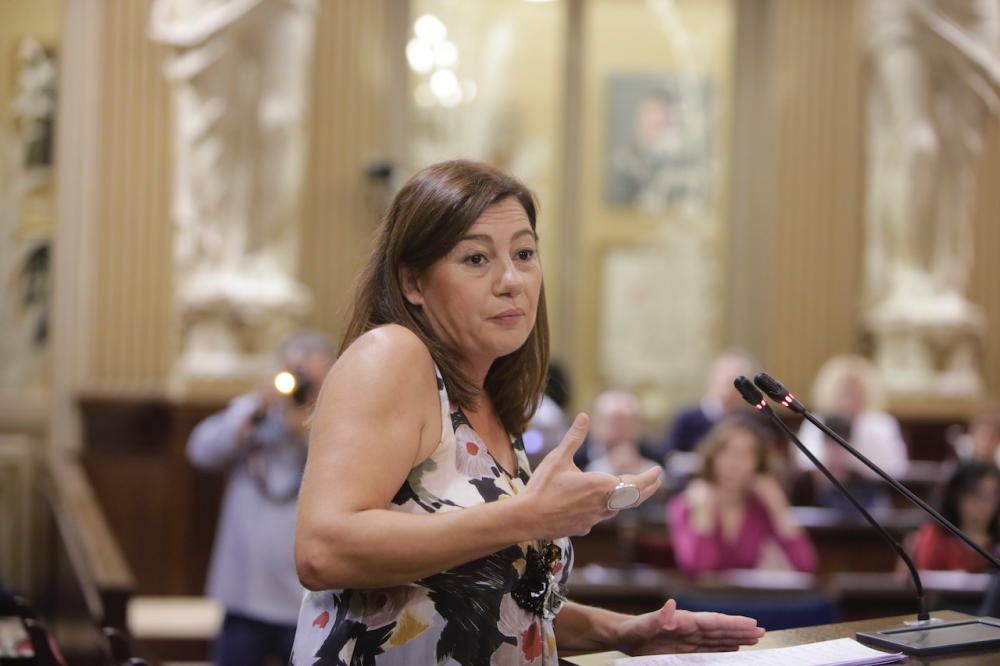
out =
column 510, row 279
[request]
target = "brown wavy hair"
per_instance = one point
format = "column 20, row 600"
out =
column 426, row 219
column 718, row 437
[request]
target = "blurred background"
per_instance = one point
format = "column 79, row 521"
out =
column 753, row 184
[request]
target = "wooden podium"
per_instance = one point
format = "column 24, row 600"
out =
column 789, row 637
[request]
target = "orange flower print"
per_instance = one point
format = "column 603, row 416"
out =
column 531, row 643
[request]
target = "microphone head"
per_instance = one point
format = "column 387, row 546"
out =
column 777, row 392
column 770, row 386
column 750, row 393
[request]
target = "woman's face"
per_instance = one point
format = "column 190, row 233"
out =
column 482, row 297
column 851, row 399
column 977, row 506
column 985, row 436
column 735, row 464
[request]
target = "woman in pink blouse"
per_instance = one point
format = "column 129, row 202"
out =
column 735, row 514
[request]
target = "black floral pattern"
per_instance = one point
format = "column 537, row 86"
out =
column 496, row 609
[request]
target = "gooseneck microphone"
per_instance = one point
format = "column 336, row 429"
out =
column 774, row 390
column 754, row 397
column 925, row 636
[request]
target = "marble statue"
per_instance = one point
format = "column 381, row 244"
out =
column 935, row 83
column 27, row 224
column 239, row 70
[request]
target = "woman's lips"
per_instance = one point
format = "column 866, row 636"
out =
column 509, row 317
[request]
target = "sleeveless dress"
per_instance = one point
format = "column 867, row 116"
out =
column 495, row 610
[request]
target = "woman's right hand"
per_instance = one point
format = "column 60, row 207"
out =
column 565, row 501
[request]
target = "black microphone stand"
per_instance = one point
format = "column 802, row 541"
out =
column 779, row 393
column 925, row 636
column 754, row 397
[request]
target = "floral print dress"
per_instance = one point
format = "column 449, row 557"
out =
column 495, row 610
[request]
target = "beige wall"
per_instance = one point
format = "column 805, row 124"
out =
column 795, row 204
column 357, row 90
column 630, row 38
column 798, row 184
column 132, row 290
column 798, row 191
column 985, row 283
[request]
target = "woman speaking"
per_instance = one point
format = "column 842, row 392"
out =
column 422, row 534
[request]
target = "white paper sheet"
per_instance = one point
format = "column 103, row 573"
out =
column 839, row 652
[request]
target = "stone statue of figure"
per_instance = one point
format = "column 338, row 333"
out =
column 26, row 223
column 239, row 70
column 935, row 83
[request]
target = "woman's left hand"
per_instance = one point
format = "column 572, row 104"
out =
column 670, row 630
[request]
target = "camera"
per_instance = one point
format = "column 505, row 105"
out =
column 295, row 385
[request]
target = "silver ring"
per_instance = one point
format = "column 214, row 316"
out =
column 624, row 496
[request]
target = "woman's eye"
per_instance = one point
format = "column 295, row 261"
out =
column 525, row 255
column 476, row 259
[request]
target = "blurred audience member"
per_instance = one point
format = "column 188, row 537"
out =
column 259, row 440
column 982, row 441
column 615, row 433
column 972, row 502
column 548, row 426
column 720, row 399
column 848, row 391
column 735, row 514
column 812, row 488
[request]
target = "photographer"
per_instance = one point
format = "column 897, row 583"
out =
column 259, row 440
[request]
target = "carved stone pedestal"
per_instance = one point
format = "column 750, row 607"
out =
column 933, row 352
column 229, row 328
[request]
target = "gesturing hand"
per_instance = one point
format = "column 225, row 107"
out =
column 567, row 502
column 670, row 630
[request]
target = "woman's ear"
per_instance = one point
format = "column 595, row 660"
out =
column 411, row 286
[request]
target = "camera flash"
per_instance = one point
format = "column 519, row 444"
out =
column 284, row 382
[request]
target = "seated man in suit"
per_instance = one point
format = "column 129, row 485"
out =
column 615, row 435
column 719, row 400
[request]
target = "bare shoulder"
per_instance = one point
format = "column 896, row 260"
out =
column 387, row 368
column 377, row 414
column 389, row 353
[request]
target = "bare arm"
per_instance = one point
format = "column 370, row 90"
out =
column 587, row 628
column 378, row 416
column 667, row 630
column 215, row 442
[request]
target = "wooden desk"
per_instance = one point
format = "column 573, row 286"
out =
column 789, row 637
column 855, row 595
column 843, row 543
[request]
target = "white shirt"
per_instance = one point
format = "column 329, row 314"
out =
column 876, row 435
